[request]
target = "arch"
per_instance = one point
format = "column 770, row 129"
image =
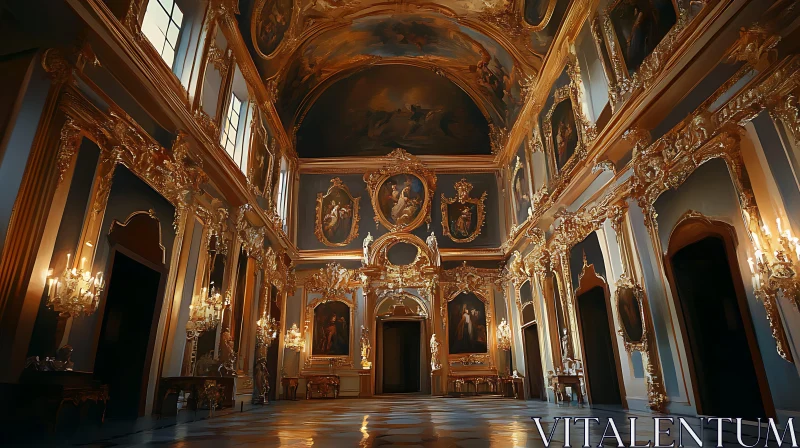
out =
column 404, row 294
column 695, row 228
column 140, row 227
column 603, row 338
column 378, row 254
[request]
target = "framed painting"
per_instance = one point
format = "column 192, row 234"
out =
column 463, row 216
column 520, row 191
column 401, row 192
column 337, row 216
column 271, row 20
column 331, row 332
column 631, row 314
column 467, row 333
column 640, row 25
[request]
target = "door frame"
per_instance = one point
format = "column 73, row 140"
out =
column 686, row 232
column 541, row 372
column 424, row 356
column 588, row 280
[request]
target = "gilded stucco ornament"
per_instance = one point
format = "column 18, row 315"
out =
column 252, row 237
column 333, row 280
column 460, row 227
column 498, row 138
column 397, row 206
column 215, row 219
column 70, row 140
column 336, row 208
column 221, row 59
column 756, row 46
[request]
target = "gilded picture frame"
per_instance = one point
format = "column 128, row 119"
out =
column 403, row 189
column 463, row 229
column 334, row 209
column 629, row 304
column 321, row 360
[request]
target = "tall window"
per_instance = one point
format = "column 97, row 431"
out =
column 282, row 199
column 230, row 133
column 162, row 27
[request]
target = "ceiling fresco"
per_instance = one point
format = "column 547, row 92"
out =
column 488, row 48
column 384, row 107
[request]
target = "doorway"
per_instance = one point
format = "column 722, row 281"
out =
column 533, row 362
column 598, row 347
column 401, row 355
column 125, row 347
column 725, row 362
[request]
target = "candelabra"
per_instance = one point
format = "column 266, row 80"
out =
column 75, row 291
column 775, row 271
column 504, row 335
column 266, row 330
column 206, row 310
column 294, row 339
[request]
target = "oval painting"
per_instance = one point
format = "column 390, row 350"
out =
column 630, row 314
column 271, row 19
column 401, row 199
column 337, row 216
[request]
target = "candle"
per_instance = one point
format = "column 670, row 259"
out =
column 83, row 262
column 766, row 230
column 756, row 242
column 778, row 222
column 750, row 262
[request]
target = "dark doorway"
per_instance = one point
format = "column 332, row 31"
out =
column 124, row 345
column 718, row 330
column 533, row 362
column 401, row 357
column 598, row 348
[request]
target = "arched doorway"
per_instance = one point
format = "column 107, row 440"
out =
column 130, row 312
column 725, row 364
column 401, row 336
column 596, row 328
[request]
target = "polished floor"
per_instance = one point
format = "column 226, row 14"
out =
column 401, row 420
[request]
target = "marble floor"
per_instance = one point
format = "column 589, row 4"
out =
column 392, row 420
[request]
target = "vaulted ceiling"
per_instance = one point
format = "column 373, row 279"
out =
column 362, row 77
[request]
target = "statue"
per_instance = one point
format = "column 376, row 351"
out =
column 435, row 364
column 260, row 382
column 366, row 248
column 227, row 356
column 433, row 245
column 565, row 352
column 366, row 349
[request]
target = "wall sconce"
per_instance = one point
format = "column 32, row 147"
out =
column 294, row 339
column 266, row 330
column 774, row 271
column 504, row 335
column 75, row 291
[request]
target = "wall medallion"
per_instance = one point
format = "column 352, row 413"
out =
column 336, row 215
column 631, row 314
column 463, row 216
column 401, row 192
column 271, row 20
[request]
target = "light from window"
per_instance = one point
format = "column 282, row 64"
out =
column 230, row 132
column 162, row 27
column 283, row 197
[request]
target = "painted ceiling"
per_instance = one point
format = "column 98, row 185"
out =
column 486, row 49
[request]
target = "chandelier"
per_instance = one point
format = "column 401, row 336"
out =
column 504, row 335
column 266, row 330
column 294, row 339
column 75, row 291
column 205, row 312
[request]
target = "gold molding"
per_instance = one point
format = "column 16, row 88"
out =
column 463, row 188
column 336, row 184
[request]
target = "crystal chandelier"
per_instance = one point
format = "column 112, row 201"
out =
column 75, row 291
column 266, row 330
column 504, row 335
column 206, row 311
column 294, row 339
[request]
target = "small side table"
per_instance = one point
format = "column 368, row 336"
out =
column 289, row 385
column 561, row 382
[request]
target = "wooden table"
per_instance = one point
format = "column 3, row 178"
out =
column 560, row 383
column 513, row 387
column 322, row 384
column 289, row 385
column 205, row 392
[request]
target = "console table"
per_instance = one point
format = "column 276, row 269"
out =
column 203, row 390
column 560, row 383
column 460, row 382
column 322, row 384
column 290, row 384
